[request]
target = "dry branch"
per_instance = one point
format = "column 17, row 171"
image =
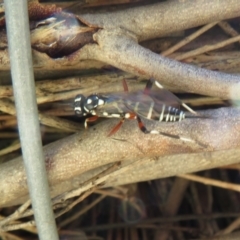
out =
column 120, row 50
column 161, row 19
column 119, row 47
column 145, row 23
column 79, row 153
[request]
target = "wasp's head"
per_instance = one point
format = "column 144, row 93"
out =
column 84, row 106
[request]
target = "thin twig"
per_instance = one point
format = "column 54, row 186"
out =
column 8, row 123
column 17, row 214
column 161, row 220
column 212, row 182
column 78, row 214
column 227, row 28
column 74, row 203
column 8, row 135
column 29, row 212
column 8, row 107
column 110, row 193
column 188, row 39
column 93, row 182
column 231, row 236
column 230, row 228
column 17, row 226
column 207, row 48
column 10, row 236
column 174, row 200
column 13, row 147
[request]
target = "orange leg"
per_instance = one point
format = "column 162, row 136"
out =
column 90, row 119
column 116, row 128
column 148, row 87
column 125, row 86
column 141, row 125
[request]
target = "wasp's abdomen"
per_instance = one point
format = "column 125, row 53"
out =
column 161, row 113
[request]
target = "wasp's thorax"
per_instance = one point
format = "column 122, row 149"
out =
column 84, row 106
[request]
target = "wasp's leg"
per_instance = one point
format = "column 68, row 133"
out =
column 141, row 126
column 125, row 86
column 144, row 130
column 124, row 116
column 148, row 86
column 90, row 119
column 116, row 128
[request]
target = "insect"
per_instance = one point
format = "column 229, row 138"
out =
column 158, row 105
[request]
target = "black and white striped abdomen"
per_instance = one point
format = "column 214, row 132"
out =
column 158, row 112
column 169, row 114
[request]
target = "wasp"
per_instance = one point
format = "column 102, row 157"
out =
column 159, row 105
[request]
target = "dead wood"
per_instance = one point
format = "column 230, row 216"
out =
column 161, row 19
column 79, row 153
column 144, row 23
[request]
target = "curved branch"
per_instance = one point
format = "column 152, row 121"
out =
column 160, row 19
column 79, row 153
column 144, row 23
column 117, row 48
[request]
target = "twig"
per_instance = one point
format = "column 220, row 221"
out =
column 234, row 225
column 188, row 39
column 83, row 82
column 8, row 107
column 18, row 226
column 231, row 236
column 113, row 86
column 29, row 212
column 13, row 147
column 110, row 193
column 8, row 123
column 6, row 235
column 196, row 205
column 227, row 28
column 208, row 181
column 6, row 117
column 207, row 48
column 17, row 214
column 160, row 220
column 75, row 202
column 173, row 202
column 8, row 135
column 93, row 182
column 78, row 214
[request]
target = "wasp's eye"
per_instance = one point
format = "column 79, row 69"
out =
column 91, row 102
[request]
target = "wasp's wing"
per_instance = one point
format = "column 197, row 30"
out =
column 156, row 105
column 165, row 97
